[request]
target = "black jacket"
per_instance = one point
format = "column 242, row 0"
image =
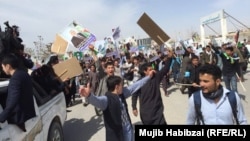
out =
column 19, row 104
column 112, row 117
column 229, row 69
column 193, row 78
column 151, row 105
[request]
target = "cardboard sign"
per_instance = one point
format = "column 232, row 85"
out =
column 68, row 69
column 59, row 46
column 152, row 29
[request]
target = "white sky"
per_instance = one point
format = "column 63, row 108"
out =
column 176, row 17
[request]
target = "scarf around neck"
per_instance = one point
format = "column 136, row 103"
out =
column 213, row 95
column 229, row 58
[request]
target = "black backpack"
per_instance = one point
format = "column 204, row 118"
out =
column 197, row 103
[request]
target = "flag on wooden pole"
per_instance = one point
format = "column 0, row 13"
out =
column 236, row 37
column 116, row 33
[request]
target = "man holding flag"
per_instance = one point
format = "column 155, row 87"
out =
column 231, row 66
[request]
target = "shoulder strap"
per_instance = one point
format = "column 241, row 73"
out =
column 197, row 105
column 232, row 100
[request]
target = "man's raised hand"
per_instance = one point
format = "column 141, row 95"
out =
column 84, row 90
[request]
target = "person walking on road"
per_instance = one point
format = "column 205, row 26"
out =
column 114, row 106
column 151, row 105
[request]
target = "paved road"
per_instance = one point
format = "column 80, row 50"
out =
column 83, row 125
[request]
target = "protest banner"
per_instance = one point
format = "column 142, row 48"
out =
column 100, row 47
column 152, row 29
column 134, row 49
column 87, row 58
column 116, row 33
column 68, row 68
column 78, row 36
column 111, row 54
column 154, row 58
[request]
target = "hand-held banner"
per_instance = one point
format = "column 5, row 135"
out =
column 152, row 29
column 78, row 36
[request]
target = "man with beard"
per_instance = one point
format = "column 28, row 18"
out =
column 215, row 102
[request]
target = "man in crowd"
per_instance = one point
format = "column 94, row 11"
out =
column 19, row 103
column 215, row 105
column 208, row 56
column 102, row 87
column 231, row 66
column 151, row 105
column 193, row 75
column 185, row 61
column 114, row 106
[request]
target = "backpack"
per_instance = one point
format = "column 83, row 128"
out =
column 197, row 103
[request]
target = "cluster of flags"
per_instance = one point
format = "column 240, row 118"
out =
column 76, row 38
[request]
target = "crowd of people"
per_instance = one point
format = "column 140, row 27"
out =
column 106, row 82
column 204, row 72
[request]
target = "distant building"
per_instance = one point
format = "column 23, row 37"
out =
column 144, row 42
column 224, row 35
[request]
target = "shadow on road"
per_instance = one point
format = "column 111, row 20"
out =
column 82, row 131
column 243, row 97
column 174, row 89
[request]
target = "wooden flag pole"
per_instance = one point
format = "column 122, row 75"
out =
column 182, row 84
column 236, row 41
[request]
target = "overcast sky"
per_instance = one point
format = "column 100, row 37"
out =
column 175, row 17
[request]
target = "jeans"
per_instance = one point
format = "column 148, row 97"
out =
column 164, row 84
column 128, row 133
column 231, row 82
column 176, row 75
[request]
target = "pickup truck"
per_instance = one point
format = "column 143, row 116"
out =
column 46, row 126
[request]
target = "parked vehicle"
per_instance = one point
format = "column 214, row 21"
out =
column 46, row 126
